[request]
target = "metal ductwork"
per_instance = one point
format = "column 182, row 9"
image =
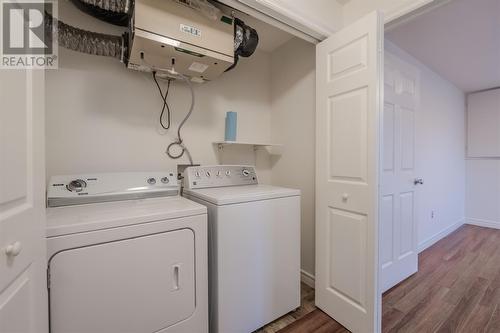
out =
column 87, row 41
column 116, row 12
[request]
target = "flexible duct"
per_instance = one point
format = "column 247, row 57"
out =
column 112, row 11
column 117, row 11
column 118, row 6
column 87, row 41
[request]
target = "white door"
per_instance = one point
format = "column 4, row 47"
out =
column 348, row 109
column 23, row 289
column 398, row 232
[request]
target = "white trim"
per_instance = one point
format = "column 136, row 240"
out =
column 483, row 223
column 284, row 12
column 404, row 9
column 307, row 278
column 285, row 17
column 440, row 235
column 278, row 20
column 407, row 11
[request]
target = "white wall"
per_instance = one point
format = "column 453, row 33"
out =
column 293, row 123
column 483, row 172
column 440, row 153
column 483, row 192
column 326, row 14
column 102, row 117
column 392, row 9
column 483, row 124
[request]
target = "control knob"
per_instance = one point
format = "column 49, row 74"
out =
column 245, row 172
column 76, row 185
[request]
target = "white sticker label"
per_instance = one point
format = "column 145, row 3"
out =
column 191, row 30
column 198, row 67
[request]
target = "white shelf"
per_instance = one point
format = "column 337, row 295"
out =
column 270, row 148
column 256, row 145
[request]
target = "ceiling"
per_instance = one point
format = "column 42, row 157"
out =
column 270, row 37
column 460, row 41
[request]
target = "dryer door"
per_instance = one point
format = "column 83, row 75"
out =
column 142, row 284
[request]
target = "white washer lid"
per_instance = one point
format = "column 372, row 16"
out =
column 239, row 194
column 90, row 217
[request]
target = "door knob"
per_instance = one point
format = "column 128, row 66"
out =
column 418, row 181
column 12, row 250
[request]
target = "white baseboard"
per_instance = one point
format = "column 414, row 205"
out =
column 307, row 278
column 483, row 223
column 440, row 235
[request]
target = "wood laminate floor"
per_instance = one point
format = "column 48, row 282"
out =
column 457, row 289
column 306, row 307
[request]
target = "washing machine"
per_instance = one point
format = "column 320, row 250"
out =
column 126, row 253
column 254, row 246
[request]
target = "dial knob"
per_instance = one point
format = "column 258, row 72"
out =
column 245, row 172
column 228, row 173
column 219, row 173
column 165, row 180
column 208, row 173
column 151, row 181
column 76, row 185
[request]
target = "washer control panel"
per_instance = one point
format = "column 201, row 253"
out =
column 219, row 176
column 103, row 187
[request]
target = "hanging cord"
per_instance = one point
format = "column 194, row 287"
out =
column 179, row 141
column 165, row 104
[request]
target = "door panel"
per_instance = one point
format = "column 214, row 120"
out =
column 23, row 298
column 348, row 59
column 347, row 257
column 406, row 200
column 348, row 145
column 398, row 228
column 13, row 139
column 407, row 139
column 389, row 136
column 386, row 229
column 347, row 160
column 17, row 297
